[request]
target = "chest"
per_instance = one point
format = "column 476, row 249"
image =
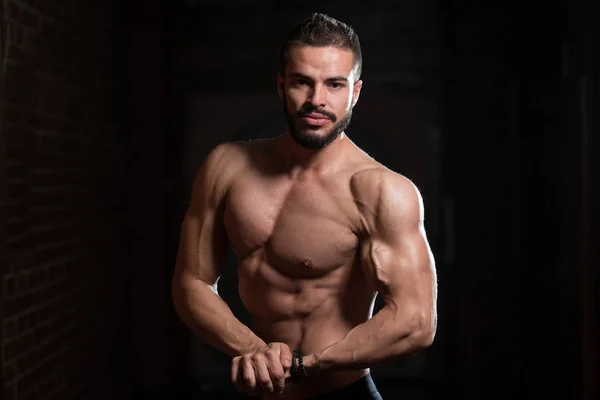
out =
column 299, row 226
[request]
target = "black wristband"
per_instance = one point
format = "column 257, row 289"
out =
column 296, row 355
column 294, row 369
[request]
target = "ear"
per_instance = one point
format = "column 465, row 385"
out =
column 280, row 85
column 356, row 92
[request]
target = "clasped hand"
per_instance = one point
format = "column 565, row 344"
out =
column 263, row 370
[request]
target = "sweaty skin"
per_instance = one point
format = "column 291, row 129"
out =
column 314, row 246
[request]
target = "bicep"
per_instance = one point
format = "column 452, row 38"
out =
column 202, row 245
column 398, row 253
column 402, row 269
column 203, row 238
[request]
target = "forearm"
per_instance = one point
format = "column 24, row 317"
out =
column 385, row 337
column 211, row 319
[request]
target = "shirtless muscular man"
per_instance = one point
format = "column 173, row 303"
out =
column 319, row 229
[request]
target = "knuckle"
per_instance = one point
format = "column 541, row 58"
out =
column 279, row 373
column 255, row 358
column 274, row 364
column 278, row 376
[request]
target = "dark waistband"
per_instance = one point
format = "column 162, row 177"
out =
column 364, row 388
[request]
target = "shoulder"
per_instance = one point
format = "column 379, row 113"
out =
column 384, row 194
column 225, row 160
column 233, row 157
column 376, row 182
column 219, row 169
column 227, row 154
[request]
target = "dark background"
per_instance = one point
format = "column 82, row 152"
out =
column 108, row 107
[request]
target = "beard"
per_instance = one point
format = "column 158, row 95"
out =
column 309, row 137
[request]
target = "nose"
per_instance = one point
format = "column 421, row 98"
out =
column 318, row 96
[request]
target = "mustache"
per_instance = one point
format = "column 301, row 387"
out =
column 306, row 111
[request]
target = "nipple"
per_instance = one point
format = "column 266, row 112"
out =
column 307, row 263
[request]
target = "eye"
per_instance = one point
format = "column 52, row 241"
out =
column 336, row 85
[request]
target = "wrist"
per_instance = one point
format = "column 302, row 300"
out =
column 311, row 363
column 302, row 367
column 252, row 348
column 305, row 367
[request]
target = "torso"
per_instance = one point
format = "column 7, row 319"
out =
column 297, row 242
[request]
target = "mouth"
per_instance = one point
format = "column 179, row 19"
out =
column 314, row 119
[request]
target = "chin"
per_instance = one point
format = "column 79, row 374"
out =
column 313, row 132
column 313, row 139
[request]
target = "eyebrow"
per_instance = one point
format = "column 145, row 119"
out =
column 332, row 79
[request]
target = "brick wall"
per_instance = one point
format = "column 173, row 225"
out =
column 63, row 215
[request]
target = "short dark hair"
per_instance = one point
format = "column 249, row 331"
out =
column 320, row 30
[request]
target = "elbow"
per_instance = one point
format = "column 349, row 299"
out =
column 186, row 289
column 422, row 339
column 422, row 331
column 179, row 291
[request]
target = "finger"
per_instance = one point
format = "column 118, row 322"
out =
column 276, row 370
column 263, row 377
column 288, row 375
column 235, row 370
column 238, row 378
column 285, row 355
column 248, row 377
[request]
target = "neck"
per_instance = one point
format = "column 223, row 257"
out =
column 296, row 157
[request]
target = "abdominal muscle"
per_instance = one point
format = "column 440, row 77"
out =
column 307, row 314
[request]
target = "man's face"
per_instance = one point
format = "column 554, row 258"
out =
column 318, row 92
